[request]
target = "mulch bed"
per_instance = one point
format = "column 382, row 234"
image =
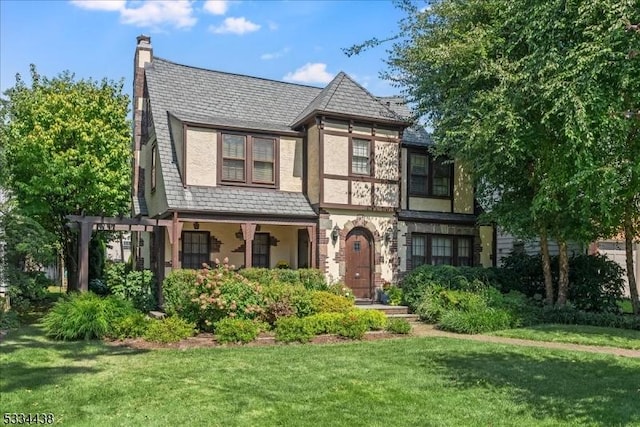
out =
column 206, row 340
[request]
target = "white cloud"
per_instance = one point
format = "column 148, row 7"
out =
column 310, row 73
column 105, row 5
column 275, row 55
column 157, row 12
column 216, row 7
column 235, row 26
column 148, row 13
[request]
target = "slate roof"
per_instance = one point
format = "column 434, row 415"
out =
column 223, row 99
column 415, row 135
column 344, row 96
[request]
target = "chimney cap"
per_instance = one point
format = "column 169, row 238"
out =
column 143, row 39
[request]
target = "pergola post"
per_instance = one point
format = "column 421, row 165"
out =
column 248, row 233
column 83, row 267
column 311, row 230
column 176, row 231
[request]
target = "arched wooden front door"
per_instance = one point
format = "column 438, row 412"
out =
column 358, row 263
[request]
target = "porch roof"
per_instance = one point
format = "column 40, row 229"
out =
column 237, row 200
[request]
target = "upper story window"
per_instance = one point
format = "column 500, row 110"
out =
column 429, row 177
column 361, row 157
column 248, row 159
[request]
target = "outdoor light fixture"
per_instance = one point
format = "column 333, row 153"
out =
column 334, row 234
column 196, row 225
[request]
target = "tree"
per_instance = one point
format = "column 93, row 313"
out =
column 66, row 144
column 509, row 87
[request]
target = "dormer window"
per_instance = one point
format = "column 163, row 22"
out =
column 248, row 160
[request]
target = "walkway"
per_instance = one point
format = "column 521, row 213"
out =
column 423, row 330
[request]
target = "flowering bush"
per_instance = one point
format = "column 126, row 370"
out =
column 221, row 292
column 342, row 290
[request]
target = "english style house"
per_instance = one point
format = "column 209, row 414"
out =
column 264, row 172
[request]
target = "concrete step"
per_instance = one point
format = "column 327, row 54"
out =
column 386, row 309
column 411, row 318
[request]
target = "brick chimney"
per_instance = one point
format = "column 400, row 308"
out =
column 144, row 55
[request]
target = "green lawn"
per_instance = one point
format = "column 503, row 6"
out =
column 413, row 381
column 577, row 334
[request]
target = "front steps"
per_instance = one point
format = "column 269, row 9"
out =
column 391, row 311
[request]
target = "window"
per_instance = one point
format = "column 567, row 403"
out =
column 195, row 249
column 360, row 156
column 248, row 160
column 429, row 176
column 261, row 249
column 441, row 250
column 154, row 153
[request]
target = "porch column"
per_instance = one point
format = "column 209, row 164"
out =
column 158, row 250
column 248, row 232
column 311, row 230
column 83, row 266
column 176, row 231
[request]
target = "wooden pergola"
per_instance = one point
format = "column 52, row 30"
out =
column 89, row 224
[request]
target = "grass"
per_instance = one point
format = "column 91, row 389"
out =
column 577, row 334
column 402, row 382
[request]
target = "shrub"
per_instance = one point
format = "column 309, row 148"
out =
column 84, row 316
column 342, row 290
column 98, row 287
column 169, row 329
column 394, row 295
column 475, row 321
column 312, row 279
column 27, row 288
column 595, row 282
column 178, row 289
column 283, row 300
column 324, row 323
column 437, row 301
column 8, row 319
column 135, row 286
column 290, row 329
column 398, row 326
column 418, row 281
column 570, row 315
column 131, row 326
column 374, row 319
column 353, row 325
column 327, row 302
column 236, row 330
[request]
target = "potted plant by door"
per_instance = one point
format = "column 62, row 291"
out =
column 390, row 294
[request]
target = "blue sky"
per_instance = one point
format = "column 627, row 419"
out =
column 297, row 41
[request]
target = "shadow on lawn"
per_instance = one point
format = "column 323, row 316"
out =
column 26, row 367
column 564, row 387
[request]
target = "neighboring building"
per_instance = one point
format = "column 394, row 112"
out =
column 507, row 243
column 119, row 249
column 614, row 249
column 261, row 171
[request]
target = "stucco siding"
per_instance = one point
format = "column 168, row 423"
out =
column 291, row 164
column 336, row 155
column 386, row 195
column 336, row 191
column 462, row 189
column 360, row 193
column 427, row 204
column 156, row 200
column 313, row 164
column 201, row 156
column 386, row 160
column 486, row 242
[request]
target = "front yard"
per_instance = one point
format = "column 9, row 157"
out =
column 412, row 381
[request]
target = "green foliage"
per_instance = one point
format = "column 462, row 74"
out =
column 416, row 283
column 85, row 316
column 178, row 289
column 595, row 282
column 398, row 326
column 374, row 319
column 353, row 324
column 290, row 329
column 27, row 288
column 327, row 302
column 131, row 326
column 236, row 330
column 570, row 315
column 168, row 330
column 437, row 301
column 8, row 319
column 475, row 321
column 98, row 287
column 135, row 286
column 310, row 278
column 324, row 323
column 283, row 300
column 394, row 295
column 341, row 289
